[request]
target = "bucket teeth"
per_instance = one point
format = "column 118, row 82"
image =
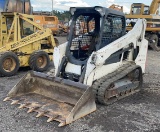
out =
column 14, row 102
column 6, row 99
column 22, row 106
column 31, row 109
column 40, row 114
column 62, row 124
column 51, row 118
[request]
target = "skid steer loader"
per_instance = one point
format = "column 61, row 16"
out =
column 101, row 65
column 23, row 43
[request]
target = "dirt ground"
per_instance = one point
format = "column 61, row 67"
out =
column 137, row 113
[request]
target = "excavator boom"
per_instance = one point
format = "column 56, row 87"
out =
column 154, row 6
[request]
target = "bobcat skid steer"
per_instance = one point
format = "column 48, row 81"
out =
column 102, row 64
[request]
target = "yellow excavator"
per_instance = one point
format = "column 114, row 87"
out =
column 102, row 64
column 152, row 15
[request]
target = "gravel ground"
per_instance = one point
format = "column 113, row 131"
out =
column 137, row 113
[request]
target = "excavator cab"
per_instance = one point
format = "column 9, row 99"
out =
column 139, row 9
column 142, row 9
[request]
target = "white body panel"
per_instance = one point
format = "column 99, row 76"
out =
column 101, row 55
column 101, row 71
column 131, row 37
column 76, row 69
column 142, row 56
column 95, row 68
column 59, row 53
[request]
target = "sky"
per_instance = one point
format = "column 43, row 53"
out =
column 64, row 5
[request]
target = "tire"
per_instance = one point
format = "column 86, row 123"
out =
column 9, row 64
column 39, row 61
column 154, row 45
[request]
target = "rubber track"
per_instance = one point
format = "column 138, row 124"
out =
column 101, row 85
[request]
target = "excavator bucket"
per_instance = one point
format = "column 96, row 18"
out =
column 58, row 99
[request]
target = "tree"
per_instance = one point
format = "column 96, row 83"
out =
column 62, row 16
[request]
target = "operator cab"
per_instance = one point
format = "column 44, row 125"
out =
column 91, row 29
column 85, row 31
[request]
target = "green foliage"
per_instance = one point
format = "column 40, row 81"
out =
column 62, row 15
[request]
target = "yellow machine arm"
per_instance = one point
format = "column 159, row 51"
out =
column 154, row 6
column 18, row 40
column 25, row 43
column 33, row 38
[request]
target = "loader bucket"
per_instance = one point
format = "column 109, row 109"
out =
column 58, row 99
